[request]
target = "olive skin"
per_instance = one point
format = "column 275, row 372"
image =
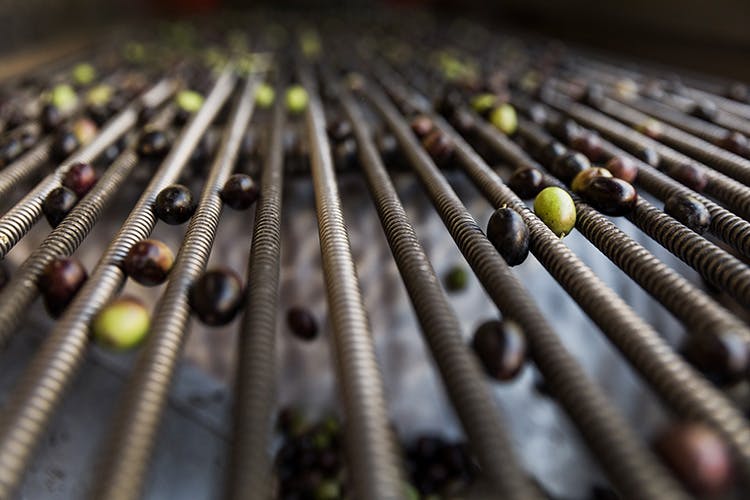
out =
column 508, row 232
column 610, row 196
column 456, row 279
column 153, row 144
column 584, row 177
column 504, row 118
column 302, row 323
column 567, row 166
column 216, row 297
column 422, row 125
column 501, row 348
column 59, row 282
column 339, row 130
column 58, row 203
column 589, row 143
column 526, row 182
column 148, row 262
column 551, row 152
column 705, row 110
column 122, row 324
column 723, row 358
column 556, row 209
column 239, row 192
column 649, row 156
column 691, row 212
column 690, row 175
column 50, row 117
column 174, row 204
column 80, row 178
column 345, row 154
column 623, row 168
column 698, row 456
column 439, row 146
column 64, row 145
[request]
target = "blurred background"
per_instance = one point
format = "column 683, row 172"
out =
column 704, row 36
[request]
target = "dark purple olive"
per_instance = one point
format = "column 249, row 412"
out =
column 510, row 235
column 690, row 175
column 57, row 204
column 551, row 152
column 216, row 297
column 736, row 142
column 422, row 125
column 64, row 145
column 567, row 166
column 610, row 196
column 148, row 262
column 463, row 121
column 59, row 282
column 698, row 456
column 147, row 114
column 174, row 204
column 302, row 323
column 501, row 348
column 80, row 178
column 623, row 168
column 339, row 130
column 588, row 143
column 240, row 192
column 705, row 110
column 594, row 95
column 345, row 154
column 723, row 357
column 691, row 212
column 439, row 146
column 153, row 144
column 50, row 117
column 526, row 182
column 565, row 130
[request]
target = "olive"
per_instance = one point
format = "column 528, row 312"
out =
column 57, row 204
column 610, row 196
column 439, row 146
column 83, row 74
column 153, row 144
column 10, row 150
column 648, row 156
column 296, row 99
column 240, row 191
column 345, row 154
column 594, row 95
column 690, row 175
column 302, row 323
column 189, row 101
column 556, row 209
column 691, row 212
column 565, row 129
column 50, row 117
column 567, row 166
column 623, row 168
column 422, row 125
column 63, row 97
column 122, row 324
column 483, row 104
column 588, row 143
column 538, row 114
column 64, row 145
column 698, row 456
column 216, row 297
column 148, row 262
column 501, row 348
column 510, row 235
column 526, row 182
column 264, row 96
column 723, row 357
column 456, row 279
column 85, row 130
column 80, row 178
column 736, row 142
column 650, row 128
column 340, row 130
column 584, row 176
column 551, row 152
column 146, row 114
column 174, row 204
column 705, row 110
column 59, row 282
column 504, row 118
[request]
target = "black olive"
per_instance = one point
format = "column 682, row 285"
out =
column 501, row 348
column 80, row 178
column 57, row 204
column 148, row 262
column 691, row 212
column 59, row 282
column 147, row 114
column 723, row 357
column 340, row 130
column 510, row 235
column 567, row 166
column 153, row 144
column 439, row 146
column 565, row 130
column 174, row 204
column 64, row 145
column 551, row 152
column 526, row 182
column 690, row 175
column 648, row 155
column 99, row 114
column 302, row 323
column 611, row 196
column 736, row 142
column 705, row 110
column 216, row 297
column 623, row 168
column 240, row 191
column 422, row 125
column 50, row 117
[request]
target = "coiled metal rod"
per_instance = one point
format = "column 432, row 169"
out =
column 25, row 166
column 42, row 385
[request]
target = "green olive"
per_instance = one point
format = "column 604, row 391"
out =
column 122, row 325
column 296, row 99
column 63, row 97
column 483, row 103
column 83, row 74
column 556, row 209
column 189, row 100
column 99, row 95
column 504, row 118
column 264, row 96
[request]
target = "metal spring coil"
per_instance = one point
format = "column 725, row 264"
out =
column 24, row 167
column 629, row 465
